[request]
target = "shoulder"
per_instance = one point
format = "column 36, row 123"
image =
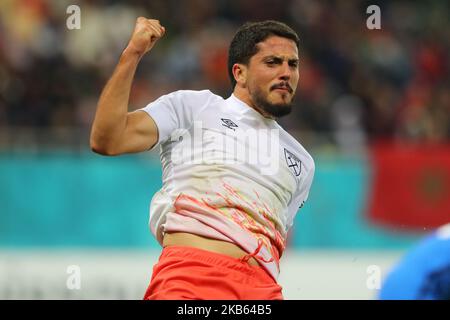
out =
column 194, row 96
column 436, row 243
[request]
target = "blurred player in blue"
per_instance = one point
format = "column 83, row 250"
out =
column 424, row 273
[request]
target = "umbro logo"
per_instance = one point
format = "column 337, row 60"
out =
column 229, row 124
column 293, row 162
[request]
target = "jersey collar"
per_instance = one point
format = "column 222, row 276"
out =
column 246, row 109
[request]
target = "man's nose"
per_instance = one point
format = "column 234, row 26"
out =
column 285, row 72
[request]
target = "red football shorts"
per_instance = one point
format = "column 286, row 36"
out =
column 187, row 273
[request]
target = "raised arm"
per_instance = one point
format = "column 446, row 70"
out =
column 115, row 130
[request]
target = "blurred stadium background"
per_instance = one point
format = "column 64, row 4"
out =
column 373, row 108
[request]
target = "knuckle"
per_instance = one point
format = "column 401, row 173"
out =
column 154, row 22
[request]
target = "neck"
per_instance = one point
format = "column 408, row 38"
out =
column 243, row 95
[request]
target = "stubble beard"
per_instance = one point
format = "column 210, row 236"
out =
column 276, row 110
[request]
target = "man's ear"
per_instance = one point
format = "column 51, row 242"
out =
column 240, row 74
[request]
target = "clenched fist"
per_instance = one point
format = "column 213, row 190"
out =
column 145, row 34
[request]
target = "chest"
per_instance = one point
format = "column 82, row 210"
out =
column 241, row 144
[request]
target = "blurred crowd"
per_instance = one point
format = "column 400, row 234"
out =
column 356, row 85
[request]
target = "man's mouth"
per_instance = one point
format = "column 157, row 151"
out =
column 285, row 88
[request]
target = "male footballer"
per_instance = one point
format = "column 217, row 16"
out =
column 233, row 178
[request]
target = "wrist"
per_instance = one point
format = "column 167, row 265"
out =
column 130, row 54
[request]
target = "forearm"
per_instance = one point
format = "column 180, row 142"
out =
column 112, row 108
column 111, row 131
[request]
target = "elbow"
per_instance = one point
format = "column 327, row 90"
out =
column 97, row 148
column 101, row 148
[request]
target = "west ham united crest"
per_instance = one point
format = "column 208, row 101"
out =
column 293, row 162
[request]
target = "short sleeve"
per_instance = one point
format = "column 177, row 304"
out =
column 177, row 110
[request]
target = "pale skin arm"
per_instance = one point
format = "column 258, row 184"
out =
column 116, row 131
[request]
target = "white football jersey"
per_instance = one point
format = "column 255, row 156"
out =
column 228, row 174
